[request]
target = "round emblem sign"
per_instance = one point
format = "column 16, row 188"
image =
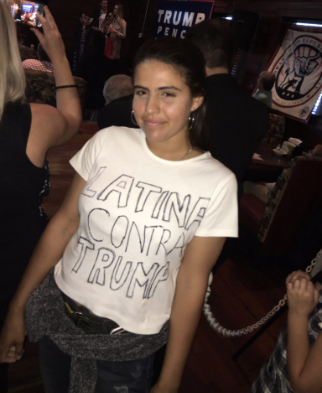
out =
column 298, row 72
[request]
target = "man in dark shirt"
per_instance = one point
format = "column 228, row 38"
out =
column 237, row 122
column 99, row 16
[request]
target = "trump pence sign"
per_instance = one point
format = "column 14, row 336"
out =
column 174, row 18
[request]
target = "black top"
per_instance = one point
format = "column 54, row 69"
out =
column 22, row 188
column 237, row 123
column 22, row 183
column 117, row 113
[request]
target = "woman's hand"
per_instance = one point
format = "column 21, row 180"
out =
column 297, row 275
column 112, row 30
column 51, row 40
column 12, row 339
column 302, row 297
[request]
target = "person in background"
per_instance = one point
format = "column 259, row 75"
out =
column 236, row 121
column 42, row 64
column 81, row 43
column 99, row 17
column 133, row 243
column 117, row 31
column 295, row 365
column 117, row 86
column 95, row 68
column 83, row 36
column 118, row 94
column 27, row 132
column 265, row 83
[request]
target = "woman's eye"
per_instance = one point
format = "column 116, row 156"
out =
column 168, row 94
column 140, row 93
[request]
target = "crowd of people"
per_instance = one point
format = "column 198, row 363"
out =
column 122, row 268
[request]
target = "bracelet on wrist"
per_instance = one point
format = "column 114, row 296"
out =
column 65, row 86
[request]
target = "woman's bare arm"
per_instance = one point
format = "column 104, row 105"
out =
column 303, row 362
column 51, row 126
column 200, row 256
column 122, row 32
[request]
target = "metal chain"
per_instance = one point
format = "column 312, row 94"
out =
column 249, row 329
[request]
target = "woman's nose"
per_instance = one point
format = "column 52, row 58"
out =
column 152, row 105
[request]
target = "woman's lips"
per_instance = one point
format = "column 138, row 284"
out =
column 153, row 123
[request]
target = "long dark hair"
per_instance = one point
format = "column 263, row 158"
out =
column 188, row 60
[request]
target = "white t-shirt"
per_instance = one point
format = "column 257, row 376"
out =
column 101, row 20
column 137, row 214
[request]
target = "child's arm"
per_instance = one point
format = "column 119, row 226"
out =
column 304, row 364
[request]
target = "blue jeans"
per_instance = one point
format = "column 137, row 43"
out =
column 122, row 377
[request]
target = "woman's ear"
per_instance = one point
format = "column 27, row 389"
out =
column 196, row 102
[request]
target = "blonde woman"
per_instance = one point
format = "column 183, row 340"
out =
column 27, row 132
column 117, row 30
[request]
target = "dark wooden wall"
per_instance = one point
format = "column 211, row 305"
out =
column 272, row 24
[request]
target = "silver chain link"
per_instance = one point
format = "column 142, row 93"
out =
column 249, row 329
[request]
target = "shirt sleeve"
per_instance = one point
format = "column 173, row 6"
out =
column 84, row 160
column 221, row 216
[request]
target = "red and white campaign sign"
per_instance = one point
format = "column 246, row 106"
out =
column 297, row 65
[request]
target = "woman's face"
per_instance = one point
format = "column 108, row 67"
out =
column 115, row 10
column 162, row 102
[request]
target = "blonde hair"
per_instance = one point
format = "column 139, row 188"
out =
column 12, row 76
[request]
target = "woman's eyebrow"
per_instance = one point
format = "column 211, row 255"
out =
column 159, row 88
column 140, row 87
column 168, row 87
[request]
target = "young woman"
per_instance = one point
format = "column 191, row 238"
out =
column 117, row 30
column 27, row 132
column 134, row 242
